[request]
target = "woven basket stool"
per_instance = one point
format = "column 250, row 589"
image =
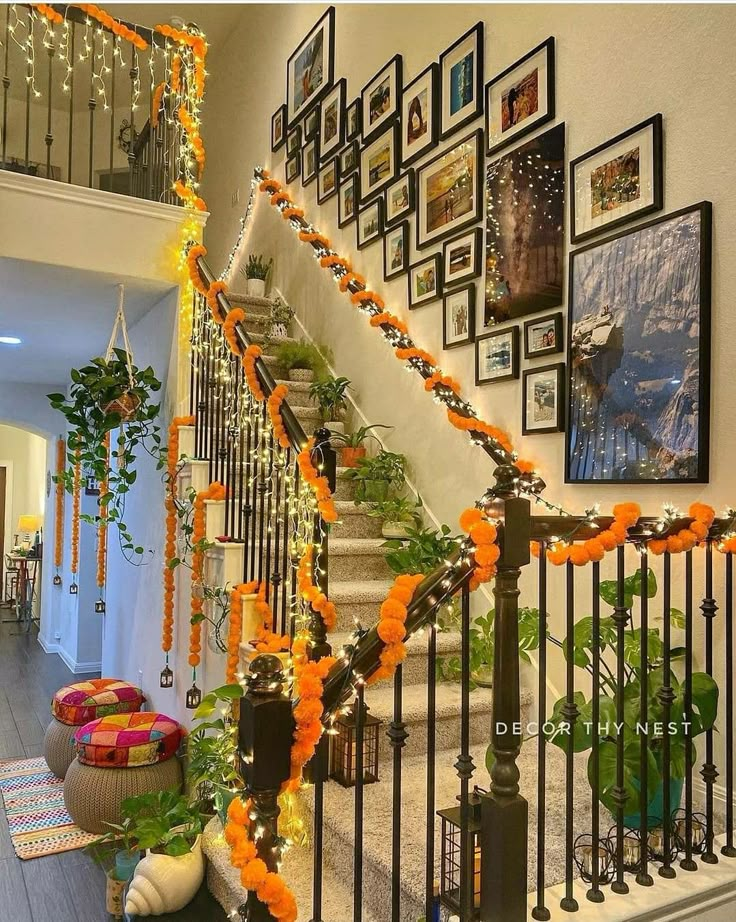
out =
column 78, row 704
column 124, row 755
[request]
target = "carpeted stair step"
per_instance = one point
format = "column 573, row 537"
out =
column 357, row 558
column 415, row 664
column 250, row 304
column 354, row 522
column 345, row 489
column 260, row 340
column 358, row 600
column 298, row 395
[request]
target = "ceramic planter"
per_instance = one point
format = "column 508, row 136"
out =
column 164, row 884
column 301, row 374
column 350, row 456
column 394, row 529
column 257, row 288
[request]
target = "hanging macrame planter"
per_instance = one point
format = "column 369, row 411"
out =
column 127, row 403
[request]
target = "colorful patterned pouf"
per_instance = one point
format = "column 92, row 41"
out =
column 120, row 756
column 78, row 704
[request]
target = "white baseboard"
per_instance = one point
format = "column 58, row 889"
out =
column 46, row 646
column 74, row 666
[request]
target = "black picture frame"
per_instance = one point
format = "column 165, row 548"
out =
column 513, row 373
column 278, row 140
column 471, row 217
column 343, row 188
column 475, row 35
column 352, row 148
column 293, row 140
column 653, row 123
column 431, row 77
column 353, row 120
column 469, row 292
column 396, row 217
column 435, row 260
column 702, row 263
column 364, row 242
column 388, row 234
column 293, row 167
column 393, row 69
column 308, row 176
column 312, row 123
column 531, row 124
column 326, row 23
column 559, row 420
column 329, row 146
column 553, row 321
column 328, row 167
column 392, row 131
column 475, row 261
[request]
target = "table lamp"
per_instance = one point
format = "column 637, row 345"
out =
column 28, row 529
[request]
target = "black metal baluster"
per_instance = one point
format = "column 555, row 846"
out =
column 431, row 751
column 278, row 507
column 666, row 696
column 465, row 769
column 267, row 440
column 319, row 768
column 709, row 772
column 620, row 619
column 728, row 850
column 540, row 911
column 92, row 106
column 687, row 863
column 397, row 735
column 359, row 790
column 242, row 419
column 133, row 74
column 211, row 405
column 70, row 76
column 643, row 877
column 292, row 621
column 595, row 894
column 256, row 476
column 269, row 526
column 245, row 472
column 286, row 550
column 570, row 712
column 49, row 139
column 6, row 83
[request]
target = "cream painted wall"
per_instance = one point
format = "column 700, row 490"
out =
column 25, row 454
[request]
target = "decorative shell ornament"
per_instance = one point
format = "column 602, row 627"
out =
column 164, row 884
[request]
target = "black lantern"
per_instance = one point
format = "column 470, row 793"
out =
column 194, row 698
column 452, row 853
column 73, row 589
column 344, row 750
column 57, row 580
column 100, row 607
column 167, row 677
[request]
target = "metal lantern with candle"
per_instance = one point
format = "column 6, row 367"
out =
column 344, row 749
column 452, row 853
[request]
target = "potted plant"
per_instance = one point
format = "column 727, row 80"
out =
column 256, row 271
column 422, row 550
column 279, row 319
column 399, row 514
column 118, row 854
column 301, row 360
column 377, row 476
column 330, row 393
column 354, row 449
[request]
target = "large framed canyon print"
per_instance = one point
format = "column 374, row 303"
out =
column 639, row 353
column 310, row 68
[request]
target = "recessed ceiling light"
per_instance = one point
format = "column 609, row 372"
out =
column 10, row 340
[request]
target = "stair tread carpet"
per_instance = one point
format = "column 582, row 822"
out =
column 448, row 642
column 357, row 546
column 358, row 590
column 256, row 305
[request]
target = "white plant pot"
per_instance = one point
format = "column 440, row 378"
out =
column 164, row 884
column 278, row 332
column 336, row 426
column 301, row 374
column 257, row 288
column 394, row 530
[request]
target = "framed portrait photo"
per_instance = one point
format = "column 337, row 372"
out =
column 327, row 181
column 497, row 356
column 639, row 353
column 543, row 400
column 462, row 257
column 521, row 98
column 617, row 181
column 395, row 251
column 379, row 163
column 370, row 223
column 420, row 107
column 352, row 120
column 400, row 198
column 543, row 336
column 381, row 98
column 450, row 191
column 425, row 281
column 461, row 80
column 311, row 123
column 278, row 128
column 310, row 161
column 293, row 140
column 347, row 200
column 293, row 167
column 348, row 158
column 332, row 119
column 458, row 317
column 310, row 68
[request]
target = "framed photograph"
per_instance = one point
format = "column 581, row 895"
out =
column 396, row 251
column 332, row 119
column 461, row 79
column 379, row 163
column 293, row 140
column 425, row 281
column 543, row 401
column 400, row 198
column 293, row 167
column 310, row 68
column 497, row 356
column 617, row 181
column 310, row 161
column 370, row 223
column 458, row 317
column 352, row 120
column 449, row 191
column 524, row 259
column 420, row 121
column 521, row 98
column 347, row 200
column 278, row 128
column 639, row 353
column 381, row 98
column 311, row 123
column 543, row 336
column 461, row 257
column 348, row 159
column 327, row 181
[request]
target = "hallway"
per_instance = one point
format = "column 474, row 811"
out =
column 68, row 887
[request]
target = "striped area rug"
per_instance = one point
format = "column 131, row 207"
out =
column 34, row 806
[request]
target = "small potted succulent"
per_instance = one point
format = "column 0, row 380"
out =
column 302, row 361
column 378, row 476
column 279, row 319
column 353, row 442
column 331, row 395
column 399, row 515
column 256, row 271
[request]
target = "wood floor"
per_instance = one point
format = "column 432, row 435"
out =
column 67, row 887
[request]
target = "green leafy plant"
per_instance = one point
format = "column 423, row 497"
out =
column 331, row 395
column 422, row 550
column 163, row 821
column 101, row 400
column 403, row 510
column 256, row 267
column 378, row 476
column 301, row 354
column 358, row 437
column 120, row 838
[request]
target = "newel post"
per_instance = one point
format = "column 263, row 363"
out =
column 504, row 812
column 266, row 730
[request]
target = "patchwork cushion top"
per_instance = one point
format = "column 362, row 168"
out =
column 128, row 740
column 77, row 704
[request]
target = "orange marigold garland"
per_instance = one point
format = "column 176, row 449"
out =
column 486, row 552
column 274, row 411
column 102, row 526
column 317, row 482
column 212, row 293
column 391, row 625
column 625, row 515
column 234, row 317
column 76, row 499
column 193, row 255
column 685, row 540
column 48, row 12
column 117, row 28
column 59, row 507
column 214, row 491
column 252, row 353
column 310, row 591
column 309, row 678
column 156, row 99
